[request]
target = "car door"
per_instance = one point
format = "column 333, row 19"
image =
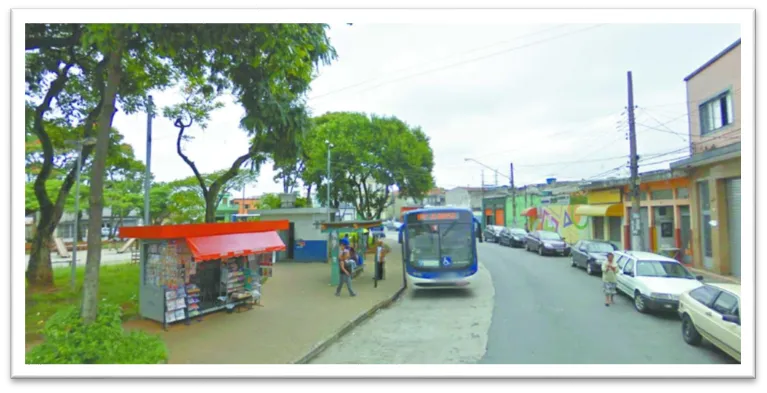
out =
column 576, row 252
column 626, row 280
column 505, row 236
column 536, row 240
column 703, row 298
column 726, row 332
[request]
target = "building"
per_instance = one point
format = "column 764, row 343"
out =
column 435, row 197
column 664, row 211
column 244, row 204
column 304, row 240
column 66, row 227
column 714, row 103
column 466, row 197
column 227, row 210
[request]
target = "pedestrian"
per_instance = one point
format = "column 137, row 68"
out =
column 381, row 251
column 345, row 270
column 609, row 279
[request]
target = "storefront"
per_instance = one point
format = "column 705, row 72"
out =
column 495, row 211
column 664, row 215
column 191, row 270
column 605, row 210
column 715, row 209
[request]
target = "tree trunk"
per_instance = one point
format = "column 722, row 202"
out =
column 40, row 271
column 98, row 171
column 309, row 195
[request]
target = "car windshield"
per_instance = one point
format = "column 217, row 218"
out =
column 550, row 236
column 516, row 231
column 599, row 247
column 662, row 269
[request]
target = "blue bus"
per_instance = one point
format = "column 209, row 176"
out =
column 439, row 247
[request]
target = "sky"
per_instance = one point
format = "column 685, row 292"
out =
column 551, row 99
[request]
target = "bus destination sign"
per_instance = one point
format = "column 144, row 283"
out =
column 437, row 216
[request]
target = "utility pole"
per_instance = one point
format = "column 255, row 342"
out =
column 513, row 196
column 482, row 200
column 496, row 178
column 636, row 222
column 330, row 146
column 148, row 171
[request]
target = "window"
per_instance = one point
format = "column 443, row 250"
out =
column 662, row 194
column 578, row 245
column 704, row 294
column 629, row 266
column 621, row 261
column 716, row 113
column 725, row 304
column 682, row 193
column 599, row 227
column 600, row 247
column 615, row 228
column 662, row 269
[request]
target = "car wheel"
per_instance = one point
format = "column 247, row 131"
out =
column 572, row 262
column 540, row 250
column 589, row 271
column 689, row 332
column 639, row 303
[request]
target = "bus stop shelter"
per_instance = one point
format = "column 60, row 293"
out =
column 336, row 230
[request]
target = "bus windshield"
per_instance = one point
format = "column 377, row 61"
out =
column 430, row 243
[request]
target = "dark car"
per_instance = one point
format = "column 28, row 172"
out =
column 492, row 233
column 590, row 254
column 545, row 242
column 512, row 237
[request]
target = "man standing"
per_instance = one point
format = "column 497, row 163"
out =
column 345, row 267
column 381, row 251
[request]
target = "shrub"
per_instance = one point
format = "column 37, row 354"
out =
column 69, row 341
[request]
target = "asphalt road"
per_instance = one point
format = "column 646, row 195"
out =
column 423, row 327
column 547, row 312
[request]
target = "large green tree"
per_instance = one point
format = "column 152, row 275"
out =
column 370, row 156
column 267, row 68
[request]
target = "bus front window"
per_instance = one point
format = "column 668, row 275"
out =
column 456, row 242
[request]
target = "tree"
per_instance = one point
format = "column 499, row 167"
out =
column 269, row 201
column 267, row 68
column 370, row 155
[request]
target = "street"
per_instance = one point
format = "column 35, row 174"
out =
column 543, row 311
column 547, row 312
column 423, row 327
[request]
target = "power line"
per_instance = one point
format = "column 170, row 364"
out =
column 472, row 60
column 439, row 59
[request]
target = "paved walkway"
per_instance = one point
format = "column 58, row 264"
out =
column 299, row 311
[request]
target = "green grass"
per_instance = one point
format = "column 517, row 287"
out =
column 118, row 284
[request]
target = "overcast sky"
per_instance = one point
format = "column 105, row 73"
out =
column 549, row 98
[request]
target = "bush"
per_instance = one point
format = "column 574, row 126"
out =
column 69, row 341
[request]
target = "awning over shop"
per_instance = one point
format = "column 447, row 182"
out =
column 227, row 246
column 614, row 210
column 531, row 212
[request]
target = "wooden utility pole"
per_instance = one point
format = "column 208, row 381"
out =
column 513, row 196
column 636, row 222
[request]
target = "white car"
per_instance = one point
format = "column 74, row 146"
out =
column 654, row 281
column 712, row 312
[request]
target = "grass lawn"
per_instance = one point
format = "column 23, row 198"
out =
column 118, row 284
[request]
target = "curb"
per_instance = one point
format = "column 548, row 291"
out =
column 346, row 328
column 706, row 273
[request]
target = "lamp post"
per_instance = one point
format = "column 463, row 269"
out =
column 330, row 146
column 80, row 144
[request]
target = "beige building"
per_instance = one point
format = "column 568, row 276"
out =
column 713, row 95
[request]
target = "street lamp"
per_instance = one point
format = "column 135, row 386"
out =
column 330, row 146
column 79, row 144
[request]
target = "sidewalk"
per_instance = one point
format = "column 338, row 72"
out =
column 713, row 277
column 299, row 311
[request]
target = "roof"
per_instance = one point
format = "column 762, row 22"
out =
column 199, row 230
column 205, row 248
column 293, row 211
column 713, row 60
column 709, row 156
column 734, row 288
column 648, row 256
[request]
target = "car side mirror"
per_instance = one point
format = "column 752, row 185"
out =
column 731, row 318
column 699, row 278
column 582, row 249
column 629, row 273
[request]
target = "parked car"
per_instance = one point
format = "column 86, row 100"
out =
column 712, row 311
column 512, row 237
column 545, row 242
column 492, row 233
column 654, row 281
column 590, row 254
column 377, row 232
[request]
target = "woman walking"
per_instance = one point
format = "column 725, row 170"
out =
column 609, row 279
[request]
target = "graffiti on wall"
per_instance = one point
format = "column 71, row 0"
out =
column 562, row 219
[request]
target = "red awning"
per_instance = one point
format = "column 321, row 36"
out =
column 227, row 246
column 531, row 212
